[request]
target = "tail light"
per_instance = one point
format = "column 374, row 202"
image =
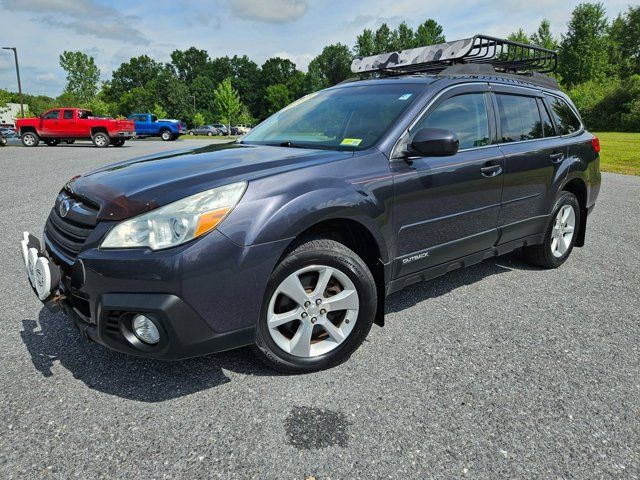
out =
column 596, row 144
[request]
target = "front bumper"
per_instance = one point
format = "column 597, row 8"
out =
column 206, row 295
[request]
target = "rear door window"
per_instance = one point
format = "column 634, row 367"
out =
column 566, row 119
column 465, row 115
column 67, row 115
column 519, row 118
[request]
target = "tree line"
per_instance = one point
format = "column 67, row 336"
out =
column 598, row 66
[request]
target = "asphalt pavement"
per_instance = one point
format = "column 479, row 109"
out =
column 501, row 370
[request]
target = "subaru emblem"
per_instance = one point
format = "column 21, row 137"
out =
column 65, row 205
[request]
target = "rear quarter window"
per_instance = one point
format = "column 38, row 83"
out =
column 566, row 119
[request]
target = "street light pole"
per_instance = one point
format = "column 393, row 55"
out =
column 15, row 56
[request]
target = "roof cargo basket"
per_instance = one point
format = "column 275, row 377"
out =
column 503, row 55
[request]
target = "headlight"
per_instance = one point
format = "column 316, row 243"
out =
column 178, row 222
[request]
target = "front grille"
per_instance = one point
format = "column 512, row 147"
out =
column 68, row 233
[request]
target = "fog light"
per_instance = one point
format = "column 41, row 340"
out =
column 145, row 329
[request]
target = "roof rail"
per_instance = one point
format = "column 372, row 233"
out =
column 504, row 55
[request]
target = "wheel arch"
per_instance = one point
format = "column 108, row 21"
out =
column 355, row 236
column 28, row 128
column 95, row 130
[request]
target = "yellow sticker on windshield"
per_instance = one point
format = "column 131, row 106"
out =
column 351, row 142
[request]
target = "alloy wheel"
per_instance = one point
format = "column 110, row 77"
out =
column 313, row 311
column 563, row 230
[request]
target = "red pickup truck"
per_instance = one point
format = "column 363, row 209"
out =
column 71, row 124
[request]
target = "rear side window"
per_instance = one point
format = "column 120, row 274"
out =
column 547, row 125
column 565, row 118
column 519, row 118
column 465, row 115
column 67, row 115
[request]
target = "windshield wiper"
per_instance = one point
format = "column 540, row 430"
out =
column 290, row 144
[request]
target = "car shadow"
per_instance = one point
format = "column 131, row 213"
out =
column 52, row 338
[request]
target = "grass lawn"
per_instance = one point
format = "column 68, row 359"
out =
column 620, row 152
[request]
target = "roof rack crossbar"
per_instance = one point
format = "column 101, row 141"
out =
column 504, row 55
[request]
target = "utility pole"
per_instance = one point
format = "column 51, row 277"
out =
column 15, row 55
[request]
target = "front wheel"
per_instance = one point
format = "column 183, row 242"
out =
column 560, row 235
column 318, row 308
column 30, row 139
column 101, row 140
column 166, row 135
column 3, row 141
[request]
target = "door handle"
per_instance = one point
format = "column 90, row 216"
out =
column 556, row 157
column 491, row 170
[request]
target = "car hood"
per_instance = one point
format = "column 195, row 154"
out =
column 135, row 186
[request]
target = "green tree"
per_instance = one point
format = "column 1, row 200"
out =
column 189, row 64
column 5, row 97
column 584, row 49
column 159, row 112
column 383, row 39
column 543, row 36
column 365, row 44
column 82, row 75
column 429, row 33
column 519, row 36
column 198, row 120
column 227, row 102
column 625, row 42
column 332, row 66
column 137, row 73
column 277, row 97
column 277, row 70
column 403, row 37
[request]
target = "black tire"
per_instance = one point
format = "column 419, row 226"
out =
column 209, row 134
column 542, row 255
column 338, row 257
column 191, row 133
column 51, row 142
column 117, row 142
column 101, row 140
column 3, row 141
column 166, row 135
column 30, row 139
column 69, row 142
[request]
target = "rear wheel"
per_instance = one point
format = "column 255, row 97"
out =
column 101, row 140
column 318, row 308
column 560, row 235
column 3, row 141
column 30, row 139
column 166, row 135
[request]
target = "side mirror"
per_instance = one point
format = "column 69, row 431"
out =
column 434, row 142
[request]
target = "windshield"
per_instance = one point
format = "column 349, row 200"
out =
column 348, row 118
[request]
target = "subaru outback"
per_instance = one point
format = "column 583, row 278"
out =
column 290, row 238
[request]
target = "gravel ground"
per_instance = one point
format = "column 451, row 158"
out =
column 500, row 370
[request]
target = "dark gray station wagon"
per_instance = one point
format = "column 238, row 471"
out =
column 290, row 239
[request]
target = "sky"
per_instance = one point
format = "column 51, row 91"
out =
column 114, row 31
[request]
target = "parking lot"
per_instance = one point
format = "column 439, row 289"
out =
column 501, row 370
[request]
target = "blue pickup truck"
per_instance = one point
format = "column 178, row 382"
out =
column 148, row 125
